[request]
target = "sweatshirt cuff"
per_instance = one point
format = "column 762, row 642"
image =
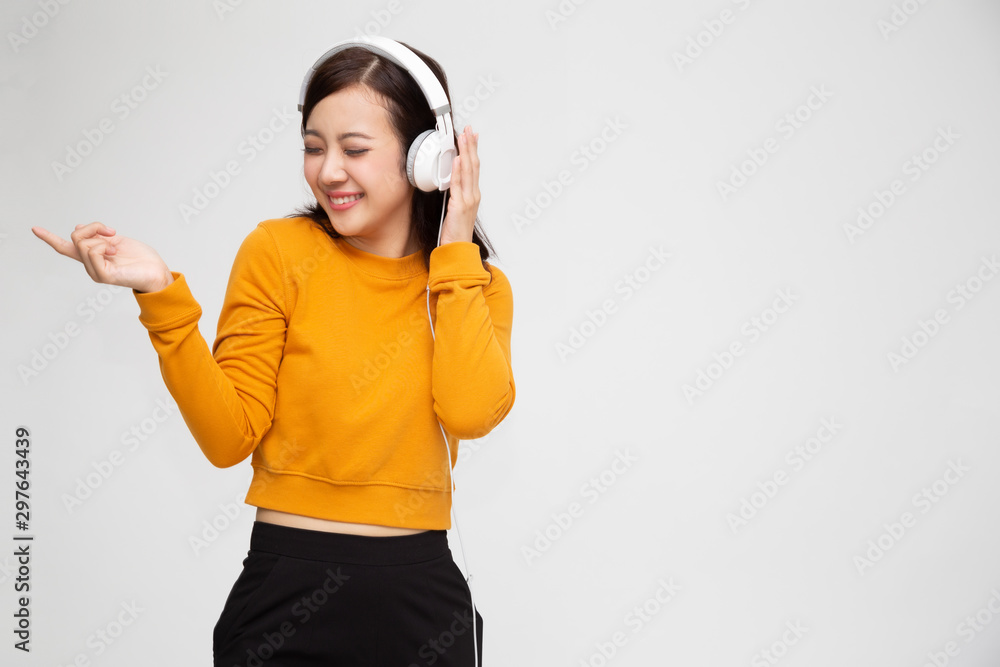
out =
column 168, row 307
column 457, row 259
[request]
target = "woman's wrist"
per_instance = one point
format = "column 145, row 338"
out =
column 156, row 287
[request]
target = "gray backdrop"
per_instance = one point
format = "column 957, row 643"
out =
column 754, row 253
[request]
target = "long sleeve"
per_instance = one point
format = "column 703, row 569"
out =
column 472, row 380
column 226, row 396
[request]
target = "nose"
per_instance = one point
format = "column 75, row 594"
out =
column 332, row 170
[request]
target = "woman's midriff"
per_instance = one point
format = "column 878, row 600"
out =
column 312, row 523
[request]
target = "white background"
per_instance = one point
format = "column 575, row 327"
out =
column 890, row 85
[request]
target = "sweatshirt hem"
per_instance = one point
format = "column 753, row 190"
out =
column 362, row 502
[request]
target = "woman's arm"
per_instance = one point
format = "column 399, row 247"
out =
column 225, row 395
column 472, row 380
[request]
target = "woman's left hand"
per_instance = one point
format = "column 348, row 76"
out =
column 463, row 198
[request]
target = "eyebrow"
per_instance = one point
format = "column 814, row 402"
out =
column 341, row 137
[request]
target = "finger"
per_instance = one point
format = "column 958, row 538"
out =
column 474, row 163
column 103, row 229
column 456, row 178
column 59, row 244
column 466, row 161
column 113, row 243
column 463, row 133
column 86, row 238
column 96, row 251
column 91, row 229
column 84, row 235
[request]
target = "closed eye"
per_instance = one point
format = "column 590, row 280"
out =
column 313, row 151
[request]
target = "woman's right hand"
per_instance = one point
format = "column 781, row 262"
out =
column 111, row 259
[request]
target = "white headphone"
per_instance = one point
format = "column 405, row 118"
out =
column 428, row 168
column 428, row 161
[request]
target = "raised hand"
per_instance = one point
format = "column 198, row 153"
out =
column 111, row 259
column 464, row 196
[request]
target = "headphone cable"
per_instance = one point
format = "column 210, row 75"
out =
column 451, row 484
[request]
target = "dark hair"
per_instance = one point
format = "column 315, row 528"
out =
column 409, row 115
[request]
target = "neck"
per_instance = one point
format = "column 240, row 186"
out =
column 393, row 248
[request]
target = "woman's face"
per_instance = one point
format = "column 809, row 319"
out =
column 350, row 148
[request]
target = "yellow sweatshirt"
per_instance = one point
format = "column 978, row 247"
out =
column 324, row 369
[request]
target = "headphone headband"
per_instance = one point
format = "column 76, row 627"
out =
column 397, row 53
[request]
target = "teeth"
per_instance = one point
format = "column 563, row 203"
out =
column 344, row 200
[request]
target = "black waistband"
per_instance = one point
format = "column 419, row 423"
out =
column 345, row 548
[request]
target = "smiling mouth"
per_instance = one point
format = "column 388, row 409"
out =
column 345, row 200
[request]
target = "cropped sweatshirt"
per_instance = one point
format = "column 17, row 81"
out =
column 324, row 371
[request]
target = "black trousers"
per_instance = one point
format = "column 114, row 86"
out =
column 308, row 598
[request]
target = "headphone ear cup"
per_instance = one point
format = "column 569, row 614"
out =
column 422, row 161
column 416, row 161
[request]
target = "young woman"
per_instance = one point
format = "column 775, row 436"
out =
column 326, row 370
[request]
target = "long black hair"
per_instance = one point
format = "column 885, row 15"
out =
column 409, row 116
